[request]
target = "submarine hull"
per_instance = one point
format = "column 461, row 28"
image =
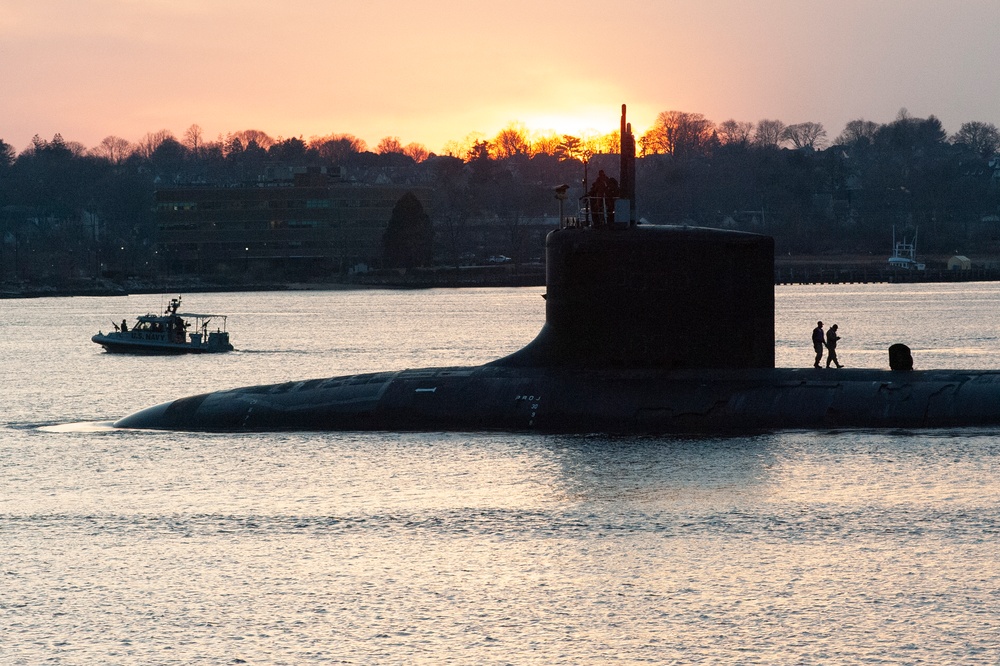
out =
column 573, row 400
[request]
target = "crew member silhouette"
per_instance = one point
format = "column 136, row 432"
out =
column 609, row 200
column 598, row 198
column 818, row 340
column 831, row 346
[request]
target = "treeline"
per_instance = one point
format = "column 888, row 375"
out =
column 821, row 197
column 71, row 211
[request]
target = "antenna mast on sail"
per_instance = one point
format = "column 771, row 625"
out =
column 626, row 171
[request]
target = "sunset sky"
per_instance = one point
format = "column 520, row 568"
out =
column 437, row 71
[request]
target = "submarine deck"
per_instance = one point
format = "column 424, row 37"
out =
column 568, row 400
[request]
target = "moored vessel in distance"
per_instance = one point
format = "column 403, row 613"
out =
column 168, row 334
column 904, row 254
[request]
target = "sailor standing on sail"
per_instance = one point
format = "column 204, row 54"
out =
column 818, row 339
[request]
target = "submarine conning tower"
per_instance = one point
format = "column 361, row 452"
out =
column 655, row 297
column 639, row 296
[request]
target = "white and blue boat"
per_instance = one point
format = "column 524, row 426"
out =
column 168, row 334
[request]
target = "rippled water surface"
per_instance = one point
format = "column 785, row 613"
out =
column 124, row 547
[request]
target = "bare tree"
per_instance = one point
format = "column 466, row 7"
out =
column 463, row 149
column 735, row 133
column 262, row 139
column 983, row 138
column 77, row 148
column 337, row 147
column 610, row 143
column 805, row 135
column 596, row 144
column 512, row 140
column 114, row 149
column 151, row 141
column 416, row 151
column 857, row 131
column 193, row 138
column 678, row 133
column 768, row 133
column 545, row 144
column 389, row 144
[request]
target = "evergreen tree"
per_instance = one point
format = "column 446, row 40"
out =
column 408, row 240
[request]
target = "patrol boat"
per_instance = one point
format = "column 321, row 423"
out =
column 167, row 334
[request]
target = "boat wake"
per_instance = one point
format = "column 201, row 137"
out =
column 85, row 426
column 295, row 352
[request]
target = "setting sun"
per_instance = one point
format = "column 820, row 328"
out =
column 580, row 126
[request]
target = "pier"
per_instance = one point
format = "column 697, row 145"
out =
column 804, row 274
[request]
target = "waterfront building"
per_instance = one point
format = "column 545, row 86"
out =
column 293, row 223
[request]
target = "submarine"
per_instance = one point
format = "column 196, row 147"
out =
column 648, row 330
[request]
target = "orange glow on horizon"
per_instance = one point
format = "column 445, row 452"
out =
column 579, row 126
column 95, row 68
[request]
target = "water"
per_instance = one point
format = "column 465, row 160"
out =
column 124, row 547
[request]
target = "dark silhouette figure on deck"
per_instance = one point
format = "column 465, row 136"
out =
column 124, row 327
column 609, row 200
column 831, row 346
column 819, row 339
column 179, row 330
column 598, row 199
column 900, row 357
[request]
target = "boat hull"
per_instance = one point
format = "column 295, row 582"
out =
column 118, row 344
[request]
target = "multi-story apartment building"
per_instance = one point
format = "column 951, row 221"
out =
column 302, row 223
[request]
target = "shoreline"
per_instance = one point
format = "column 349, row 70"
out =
column 787, row 270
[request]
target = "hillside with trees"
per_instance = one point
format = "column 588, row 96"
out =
column 71, row 212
